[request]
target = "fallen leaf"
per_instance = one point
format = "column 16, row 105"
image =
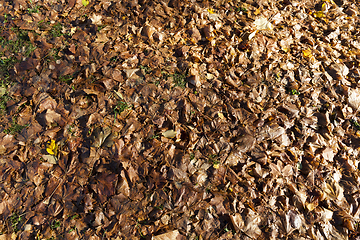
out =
column 169, row 134
column 52, row 147
column 319, row 14
column 50, row 159
column 103, row 137
column 262, row 23
column 2, row 91
column 173, row 235
column 307, row 53
column 85, row 2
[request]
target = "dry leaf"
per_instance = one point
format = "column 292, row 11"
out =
column 103, row 137
column 169, row 134
column 173, row 235
column 2, row 91
column 262, row 23
column 50, row 159
column 307, row 53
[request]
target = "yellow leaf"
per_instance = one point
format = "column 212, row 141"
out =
column 220, row 115
column 52, row 147
column 307, row 53
column 72, row 30
column 85, row 2
column 169, row 134
column 323, row 7
column 319, row 14
column 211, row 11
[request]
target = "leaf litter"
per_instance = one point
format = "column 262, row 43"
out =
column 179, row 119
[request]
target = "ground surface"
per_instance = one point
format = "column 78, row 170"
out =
column 192, row 119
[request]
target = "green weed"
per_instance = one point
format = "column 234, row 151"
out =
column 355, row 124
column 72, row 229
column 34, row 9
column 294, row 92
column 154, row 136
column 56, row 30
column 3, row 102
column 146, row 69
column 100, row 27
column 66, row 78
column 21, row 45
column 55, row 224
column 121, row 106
column 179, row 79
column 15, row 219
column 15, row 128
column 213, row 159
column 241, row 9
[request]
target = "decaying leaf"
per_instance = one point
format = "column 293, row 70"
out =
column 103, row 137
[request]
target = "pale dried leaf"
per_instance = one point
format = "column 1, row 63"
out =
column 169, row 134
column 173, row 235
column 262, row 23
column 50, row 159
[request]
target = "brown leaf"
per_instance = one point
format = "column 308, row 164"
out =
column 173, row 235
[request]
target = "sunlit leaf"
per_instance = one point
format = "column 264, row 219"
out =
column 220, row 115
column 72, row 30
column 216, row 165
column 263, row 24
column 169, row 134
column 168, row 236
column 257, row 11
column 52, row 147
column 307, row 53
column 211, row 11
column 252, row 35
column 50, row 159
column 319, row 14
column 85, row 2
